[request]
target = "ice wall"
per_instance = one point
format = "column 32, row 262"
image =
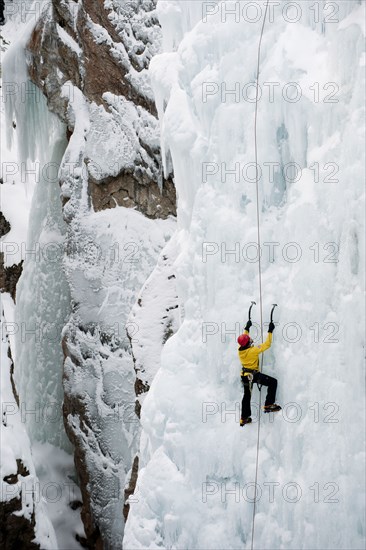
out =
column 23, row 511
column 43, row 306
column 196, row 485
column 42, row 293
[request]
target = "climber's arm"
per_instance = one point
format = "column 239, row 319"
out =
column 266, row 345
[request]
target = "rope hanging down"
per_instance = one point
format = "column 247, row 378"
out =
column 259, row 255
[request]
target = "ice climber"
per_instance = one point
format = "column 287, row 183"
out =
column 250, row 374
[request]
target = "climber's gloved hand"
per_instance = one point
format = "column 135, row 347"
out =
column 248, row 325
column 271, row 327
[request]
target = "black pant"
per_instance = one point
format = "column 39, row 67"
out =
column 263, row 380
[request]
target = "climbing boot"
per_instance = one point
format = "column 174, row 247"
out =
column 271, row 408
column 244, row 421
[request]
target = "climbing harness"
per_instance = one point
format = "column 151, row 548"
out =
column 259, row 256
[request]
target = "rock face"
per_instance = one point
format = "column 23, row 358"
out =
column 9, row 276
column 104, row 49
column 4, row 225
column 15, row 531
column 90, row 60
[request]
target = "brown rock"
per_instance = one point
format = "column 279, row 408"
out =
column 126, row 190
column 16, row 532
column 9, row 276
column 4, row 225
column 131, row 486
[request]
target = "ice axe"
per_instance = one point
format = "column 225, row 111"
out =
column 272, row 310
column 250, row 309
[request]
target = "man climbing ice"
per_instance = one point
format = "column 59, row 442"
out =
column 250, row 374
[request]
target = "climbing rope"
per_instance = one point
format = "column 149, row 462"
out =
column 259, row 259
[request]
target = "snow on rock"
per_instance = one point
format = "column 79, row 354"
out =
column 105, row 151
column 153, row 320
column 114, row 253
column 108, row 63
column 196, row 485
